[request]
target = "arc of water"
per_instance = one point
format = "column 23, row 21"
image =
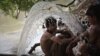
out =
column 36, row 18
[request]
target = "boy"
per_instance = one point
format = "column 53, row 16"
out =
column 45, row 41
column 91, row 35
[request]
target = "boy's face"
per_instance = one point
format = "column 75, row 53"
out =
column 91, row 20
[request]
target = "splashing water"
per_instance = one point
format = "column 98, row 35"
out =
column 33, row 27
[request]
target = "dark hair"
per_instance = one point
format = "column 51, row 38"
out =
column 94, row 10
column 50, row 21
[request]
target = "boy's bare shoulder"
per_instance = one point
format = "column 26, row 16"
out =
column 46, row 35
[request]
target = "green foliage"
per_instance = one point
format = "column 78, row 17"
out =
column 10, row 6
column 7, row 6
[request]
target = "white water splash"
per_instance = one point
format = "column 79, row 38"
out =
column 33, row 27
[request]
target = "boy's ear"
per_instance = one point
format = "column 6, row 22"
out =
column 43, row 26
column 94, row 18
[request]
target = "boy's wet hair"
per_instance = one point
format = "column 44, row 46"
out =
column 94, row 10
column 50, row 21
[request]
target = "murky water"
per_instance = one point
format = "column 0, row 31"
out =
column 10, row 31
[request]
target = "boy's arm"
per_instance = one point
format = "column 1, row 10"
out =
column 67, row 40
column 84, row 34
column 71, row 45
